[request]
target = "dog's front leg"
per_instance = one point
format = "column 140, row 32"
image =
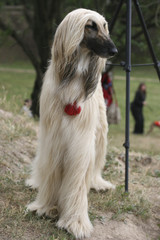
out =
column 73, row 203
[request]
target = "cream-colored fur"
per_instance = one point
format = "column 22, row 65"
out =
column 72, row 149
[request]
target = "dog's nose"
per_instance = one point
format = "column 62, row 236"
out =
column 113, row 51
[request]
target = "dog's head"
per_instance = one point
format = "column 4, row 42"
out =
column 83, row 28
column 86, row 32
column 97, row 39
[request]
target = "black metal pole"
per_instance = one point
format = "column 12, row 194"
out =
column 140, row 15
column 127, row 66
column 128, row 70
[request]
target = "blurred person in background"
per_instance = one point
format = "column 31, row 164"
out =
column 107, row 85
column 137, row 108
column 26, row 108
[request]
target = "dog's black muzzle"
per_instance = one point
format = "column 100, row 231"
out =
column 103, row 47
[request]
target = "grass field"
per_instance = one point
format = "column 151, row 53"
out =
column 151, row 110
column 15, row 86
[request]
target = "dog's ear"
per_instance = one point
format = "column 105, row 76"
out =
column 65, row 61
column 67, row 40
column 67, row 69
column 90, row 78
column 65, row 65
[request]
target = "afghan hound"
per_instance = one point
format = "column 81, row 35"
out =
column 73, row 125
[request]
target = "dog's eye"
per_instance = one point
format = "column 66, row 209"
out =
column 93, row 26
column 104, row 25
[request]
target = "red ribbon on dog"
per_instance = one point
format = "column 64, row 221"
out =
column 72, row 109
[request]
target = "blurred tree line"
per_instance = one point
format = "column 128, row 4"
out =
column 32, row 24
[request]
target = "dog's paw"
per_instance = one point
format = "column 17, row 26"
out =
column 31, row 183
column 35, row 207
column 101, row 184
column 79, row 228
column 32, row 206
column 40, row 210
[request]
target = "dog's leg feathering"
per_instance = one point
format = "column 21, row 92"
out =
column 73, row 203
column 98, row 183
column 47, row 173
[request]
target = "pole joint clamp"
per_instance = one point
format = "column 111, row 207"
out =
column 126, row 145
column 126, row 67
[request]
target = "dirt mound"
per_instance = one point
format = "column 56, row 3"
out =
column 17, row 142
column 129, row 229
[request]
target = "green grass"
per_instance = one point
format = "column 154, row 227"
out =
column 139, row 72
column 14, row 88
column 153, row 90
column 18, row 65
column 117, row 132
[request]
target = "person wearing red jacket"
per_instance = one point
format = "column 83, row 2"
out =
column 107, row 89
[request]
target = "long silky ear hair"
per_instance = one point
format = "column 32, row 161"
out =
column 67, row 39
column 96, row 65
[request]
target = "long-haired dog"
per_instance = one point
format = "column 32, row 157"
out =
column 73, row 125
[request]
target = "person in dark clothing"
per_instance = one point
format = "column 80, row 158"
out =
column 137, row 108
